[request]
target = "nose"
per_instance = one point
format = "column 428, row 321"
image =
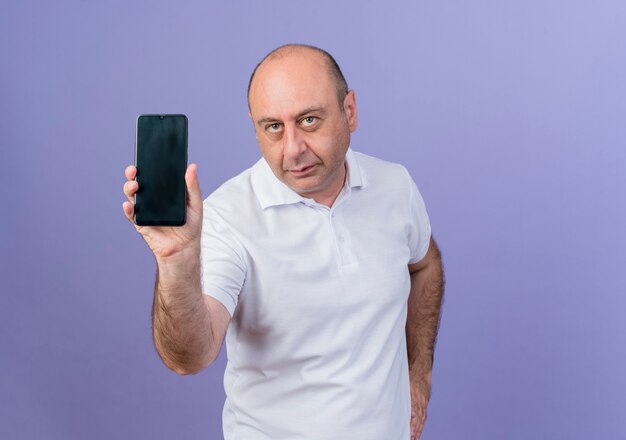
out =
column 294, row 143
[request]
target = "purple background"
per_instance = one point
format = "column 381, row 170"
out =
column 509, row 115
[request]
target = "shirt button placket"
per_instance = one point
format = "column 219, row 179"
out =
column 336, row 239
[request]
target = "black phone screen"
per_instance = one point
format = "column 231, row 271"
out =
column 161, row 161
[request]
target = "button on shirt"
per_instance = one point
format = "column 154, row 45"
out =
column 318, row 296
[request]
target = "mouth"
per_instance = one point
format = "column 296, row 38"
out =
column 303, row 170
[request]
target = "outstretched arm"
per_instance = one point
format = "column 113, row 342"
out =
column 187, row 327
column 424, row 313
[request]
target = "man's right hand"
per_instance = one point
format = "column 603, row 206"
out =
column 168, row 241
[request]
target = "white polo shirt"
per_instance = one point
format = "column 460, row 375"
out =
column 318, row 297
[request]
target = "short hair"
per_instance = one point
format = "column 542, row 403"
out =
column 333, row 69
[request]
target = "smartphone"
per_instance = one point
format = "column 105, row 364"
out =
column 161, row 161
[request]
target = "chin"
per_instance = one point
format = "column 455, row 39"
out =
column 304, row 190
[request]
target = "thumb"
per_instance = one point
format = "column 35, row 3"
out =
column 193, row 187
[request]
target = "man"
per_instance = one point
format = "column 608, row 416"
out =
column 316, row 264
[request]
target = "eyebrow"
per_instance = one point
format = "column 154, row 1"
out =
column 298, row 116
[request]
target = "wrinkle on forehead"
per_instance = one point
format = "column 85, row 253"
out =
column 289, row 84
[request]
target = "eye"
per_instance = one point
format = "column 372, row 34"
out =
column 309, row 121
column 273, row 128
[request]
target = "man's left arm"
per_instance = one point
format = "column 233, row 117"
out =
column 423, row 316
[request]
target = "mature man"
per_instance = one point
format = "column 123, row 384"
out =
column 317, row 265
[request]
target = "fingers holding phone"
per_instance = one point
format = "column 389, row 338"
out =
column 130, row 188
column 167, row 240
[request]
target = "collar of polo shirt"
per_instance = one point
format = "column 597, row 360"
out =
column 270, row 191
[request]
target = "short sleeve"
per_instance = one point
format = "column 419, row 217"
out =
column 419, row 230
column 222, row 263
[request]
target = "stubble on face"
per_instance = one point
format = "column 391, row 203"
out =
column 302, row 130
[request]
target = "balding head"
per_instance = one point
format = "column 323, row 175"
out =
column 331, row 66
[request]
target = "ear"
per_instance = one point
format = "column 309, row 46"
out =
column 349, row 108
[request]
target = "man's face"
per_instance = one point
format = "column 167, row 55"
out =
column 302, row 130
